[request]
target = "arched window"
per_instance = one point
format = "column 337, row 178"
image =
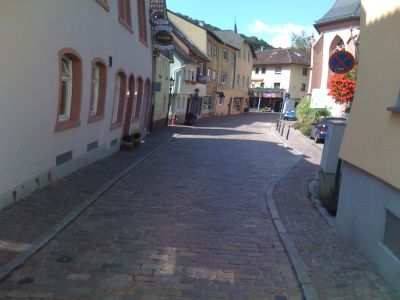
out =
column 70, row 87
column 139, row 97
column 98, row 90
column 119, row 99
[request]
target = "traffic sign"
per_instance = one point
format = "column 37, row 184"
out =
column 341, row 62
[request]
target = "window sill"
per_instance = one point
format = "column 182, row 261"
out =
column 116, row 126
column 393, row 109
column 64, row 125
column 144, row 42
column 103, row 4
column 127, row 26
column 95, row 118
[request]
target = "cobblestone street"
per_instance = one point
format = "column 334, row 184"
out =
column 191, row 222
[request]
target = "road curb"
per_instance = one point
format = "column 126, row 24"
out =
column 300, row 268
column 322, row 211
column 39, row 243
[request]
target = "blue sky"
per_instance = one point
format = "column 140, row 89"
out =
column 270, row 20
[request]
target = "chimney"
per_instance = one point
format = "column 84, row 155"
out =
column 201, row 23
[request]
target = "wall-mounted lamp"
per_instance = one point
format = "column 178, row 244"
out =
column 128, row 93
column 135, row 93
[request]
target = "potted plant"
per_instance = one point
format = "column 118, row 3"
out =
column 130, row 141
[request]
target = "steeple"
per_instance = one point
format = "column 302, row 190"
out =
column 235, row 28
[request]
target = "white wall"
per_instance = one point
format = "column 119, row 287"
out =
column 31, row 35
column 269, row 78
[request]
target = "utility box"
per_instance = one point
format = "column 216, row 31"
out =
column 330, row 154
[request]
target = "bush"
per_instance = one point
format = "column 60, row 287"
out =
column 306, row 114
column 305, row 128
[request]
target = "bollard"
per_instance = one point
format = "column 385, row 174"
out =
column 283, row 128
column 287, row 135
column 277, row 123
column 279, row 127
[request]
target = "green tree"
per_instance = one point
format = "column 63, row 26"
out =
column 307, row 115
column 301, row 41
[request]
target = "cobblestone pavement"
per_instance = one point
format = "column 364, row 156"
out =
column 337, row 271
column 26, row 220
column 190, row 222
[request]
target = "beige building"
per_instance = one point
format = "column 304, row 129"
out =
column 241, row 64
column 75, row 77
column 369, row 203
column 229, row 70
column 283, row 71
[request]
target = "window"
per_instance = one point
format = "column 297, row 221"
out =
column 262, row 84
column 214, row 51
column 238, row 80
column 278, row 70
column 220, row 100
column 139, row 96
column 201, row 69
column 214, row 74
column 257, row 70
column 248, row 82
column 98, row 90
column 243, row 79
column 303, row 87
column 104, row 3
column 223, row 78
column 209, row 72
column 225, row 54
column 239, row 55
column 263, row 70
column 124, row 13
column 66, row 88
column 277, row 85
column 119, row 100
column 141, row 6
column 248, row 56
column 305, row 71
column 209, row 48
column 70, row 87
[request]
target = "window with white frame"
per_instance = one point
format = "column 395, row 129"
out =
column 96, row 89
column 224, row 78
column 277, row 85
column 214, row 74
column 66, row 89
column 117, row 95
column 214, row 51
column 209, row 72
column 278, row 70
column 257, row 70
column 263, row 70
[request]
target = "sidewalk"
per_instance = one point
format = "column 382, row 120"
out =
column 28, row 219
column 336, row 270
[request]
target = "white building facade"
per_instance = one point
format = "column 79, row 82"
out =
column 76, row 77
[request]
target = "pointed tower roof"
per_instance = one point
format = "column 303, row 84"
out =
column 342, row 10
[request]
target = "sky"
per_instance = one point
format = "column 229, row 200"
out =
column 271, row 20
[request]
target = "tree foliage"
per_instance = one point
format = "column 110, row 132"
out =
column 306, row 114
column 301, row 42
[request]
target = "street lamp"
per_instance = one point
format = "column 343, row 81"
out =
column 171, row 84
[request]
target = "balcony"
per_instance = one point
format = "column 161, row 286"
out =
column 203, row 79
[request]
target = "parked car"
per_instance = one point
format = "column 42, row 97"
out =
column 319, row 129
column 290, row 115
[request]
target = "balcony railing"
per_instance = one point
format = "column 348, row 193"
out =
column 203, row 79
